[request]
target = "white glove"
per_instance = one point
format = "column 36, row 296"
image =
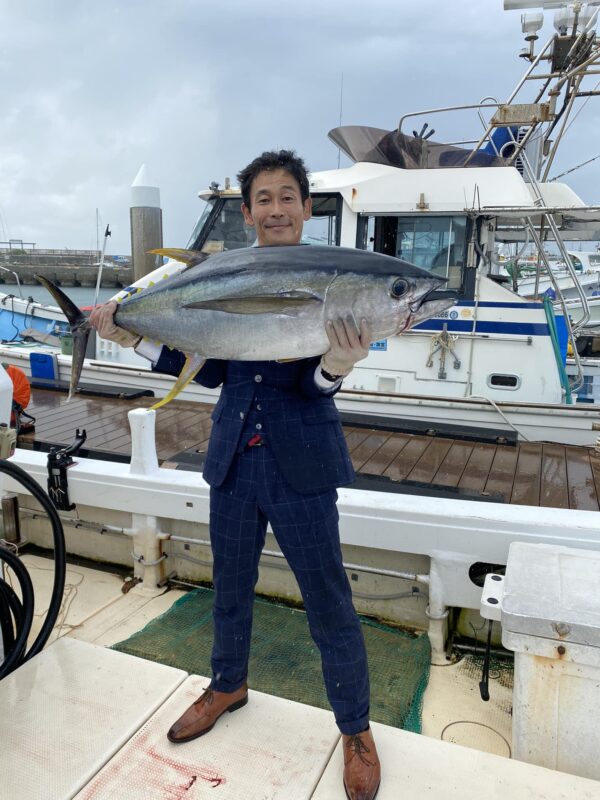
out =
column 102, row 319
column 348, row 345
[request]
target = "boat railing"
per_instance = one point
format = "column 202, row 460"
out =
column 548, row 219
column 565, row 73
column 523, row 116
column 12, row 272
column 446, row 109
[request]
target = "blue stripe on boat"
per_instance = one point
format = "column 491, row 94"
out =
column 466, row 326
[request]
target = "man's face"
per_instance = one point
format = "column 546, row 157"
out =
column 276, row 208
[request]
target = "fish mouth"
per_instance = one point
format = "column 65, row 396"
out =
column 424, row 298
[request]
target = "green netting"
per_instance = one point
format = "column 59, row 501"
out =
column 284, row 660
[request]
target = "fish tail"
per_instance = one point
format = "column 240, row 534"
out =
column 80, row 329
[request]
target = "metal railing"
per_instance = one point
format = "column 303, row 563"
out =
column 12, row 272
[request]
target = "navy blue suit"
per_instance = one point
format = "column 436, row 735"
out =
column 301, row 421
column 290, row 482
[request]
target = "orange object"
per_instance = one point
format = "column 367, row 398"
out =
column 21, row 393
column 21, row 387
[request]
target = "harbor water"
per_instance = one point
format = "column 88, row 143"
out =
column 81, row 295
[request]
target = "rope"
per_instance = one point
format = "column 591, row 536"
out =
column 445, row 343
column 502, row 414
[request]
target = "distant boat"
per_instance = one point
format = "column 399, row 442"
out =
column 586, row 265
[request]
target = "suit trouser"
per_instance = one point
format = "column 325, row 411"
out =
column 306, row 529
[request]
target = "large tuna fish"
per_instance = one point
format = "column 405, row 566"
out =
column 265, row 303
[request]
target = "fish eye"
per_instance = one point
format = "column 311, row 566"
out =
column 399, row 287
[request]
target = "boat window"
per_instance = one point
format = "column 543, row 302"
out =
column 498, row 381
column 222, row 227
column 323, row 227
column 437, row 244
column 208, row 209
column 594, row 259
column 577, row 265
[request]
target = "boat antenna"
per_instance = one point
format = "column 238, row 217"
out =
column 583, row 163
column 101, row 265
column 341, row 106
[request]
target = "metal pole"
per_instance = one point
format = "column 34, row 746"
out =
column 101, row 265
column 552, row 153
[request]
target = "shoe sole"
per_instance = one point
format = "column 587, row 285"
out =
column 374, row 796
column 233, row 707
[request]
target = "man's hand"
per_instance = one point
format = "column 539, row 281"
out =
column 348, row 345
column 102, row 319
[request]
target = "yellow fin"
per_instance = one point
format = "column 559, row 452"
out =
column 193, row 364
column 189, row 257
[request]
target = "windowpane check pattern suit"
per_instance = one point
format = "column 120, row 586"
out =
column 289, row 481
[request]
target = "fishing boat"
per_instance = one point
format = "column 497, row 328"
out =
column 82, row 720
column 496, row 359
column 586, row 265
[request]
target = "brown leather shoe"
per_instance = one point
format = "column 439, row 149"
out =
column 201, row 716
column 362, row 771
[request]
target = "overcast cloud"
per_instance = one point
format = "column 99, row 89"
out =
column 196, row 89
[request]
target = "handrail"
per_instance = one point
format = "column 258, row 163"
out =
column 446, row 108
column 551, row 320
column 527, row 221
column 12, row 272
column 561, row 246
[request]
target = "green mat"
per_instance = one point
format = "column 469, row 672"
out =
column 284, row 660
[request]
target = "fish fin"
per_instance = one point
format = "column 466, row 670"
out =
column 281, row 302
column 193, row 364
column 80, row 329
column 189, row 257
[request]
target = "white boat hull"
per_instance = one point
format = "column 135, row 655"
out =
column 576, row 424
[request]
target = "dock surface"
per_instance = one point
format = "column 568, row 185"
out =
column 534, row 474
column 106, row 714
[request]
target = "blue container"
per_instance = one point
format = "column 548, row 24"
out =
column 44, row 366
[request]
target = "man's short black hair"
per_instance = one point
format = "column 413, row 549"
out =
column 270, row 160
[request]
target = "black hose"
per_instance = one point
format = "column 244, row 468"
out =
column 22, row 613
column 7, row 627
column 17, row 651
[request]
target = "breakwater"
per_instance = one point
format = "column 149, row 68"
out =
column 64, row 267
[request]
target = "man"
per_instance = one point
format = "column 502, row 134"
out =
column 277, row 454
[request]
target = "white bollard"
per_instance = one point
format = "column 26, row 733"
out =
column 144, row 460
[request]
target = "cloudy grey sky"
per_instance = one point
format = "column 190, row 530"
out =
column 195, row 89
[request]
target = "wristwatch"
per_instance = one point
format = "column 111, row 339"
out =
column 329, row 377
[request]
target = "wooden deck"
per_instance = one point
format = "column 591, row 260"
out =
column 548, row 475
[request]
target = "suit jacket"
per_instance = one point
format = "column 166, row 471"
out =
column 299, row 420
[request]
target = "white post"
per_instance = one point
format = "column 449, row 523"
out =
column 144, row 460
column 147, row 552
column 146, row 535
column 437, row 611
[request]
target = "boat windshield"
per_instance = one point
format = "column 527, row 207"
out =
column 222, row 227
